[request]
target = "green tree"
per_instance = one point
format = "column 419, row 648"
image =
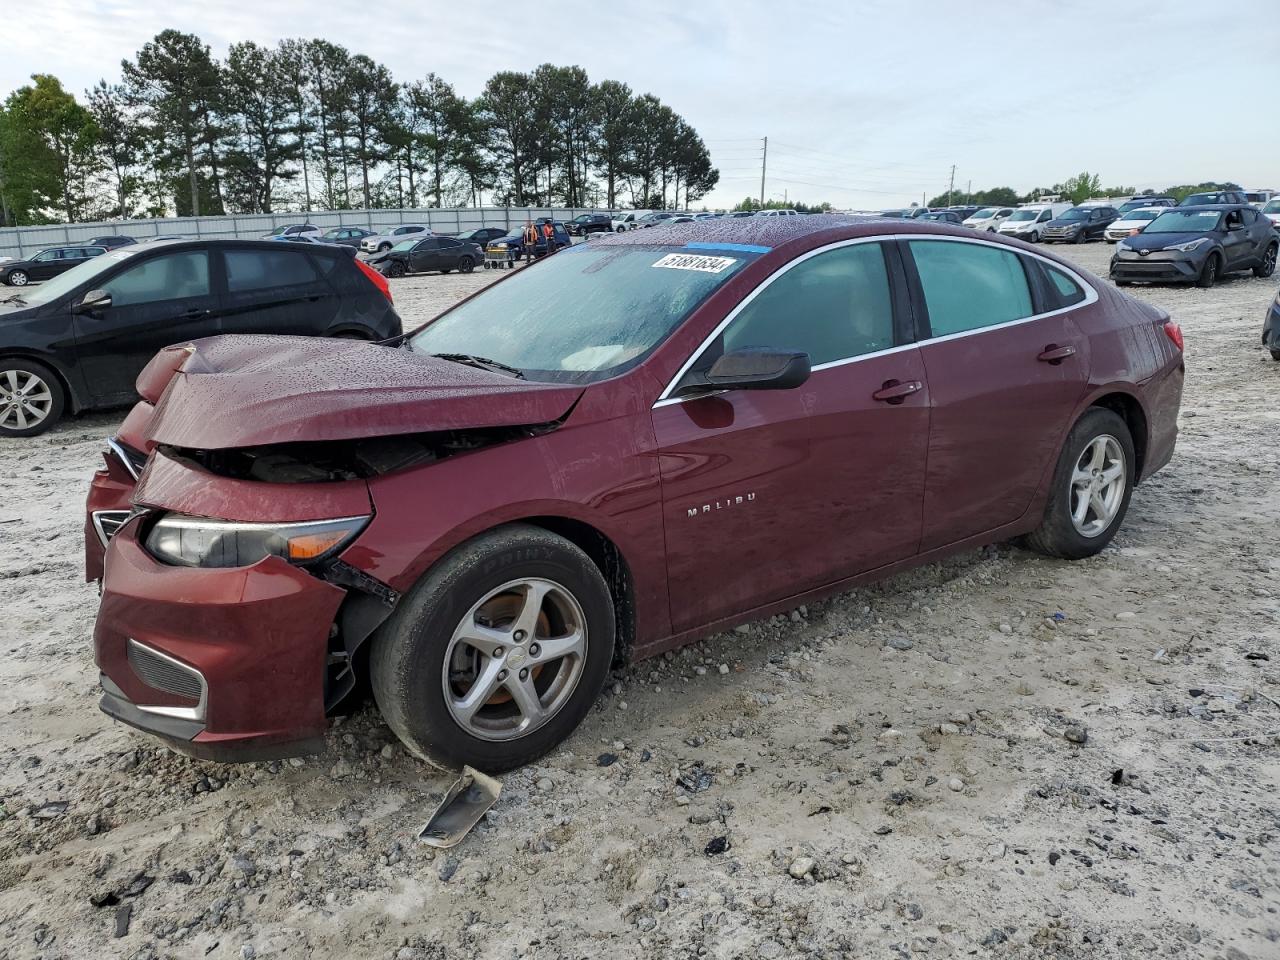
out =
column 507, row 106
column 613, row 108
column 119, row 142
column 265, row 145
column 50, row 147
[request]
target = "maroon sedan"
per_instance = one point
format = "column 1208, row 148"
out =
column 637, row 442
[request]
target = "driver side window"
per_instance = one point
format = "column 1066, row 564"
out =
column 174, row 276
column 833, row 306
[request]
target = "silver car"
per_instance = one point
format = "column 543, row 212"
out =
column 382, row 242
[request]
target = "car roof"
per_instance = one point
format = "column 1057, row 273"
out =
column 1216, row 206
column 216, row 242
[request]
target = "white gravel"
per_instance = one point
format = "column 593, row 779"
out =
column 1109, row 790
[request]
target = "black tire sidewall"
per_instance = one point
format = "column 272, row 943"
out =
column 55, row 388
column 1206, row 280
column 407, row 661
column 1057, row 535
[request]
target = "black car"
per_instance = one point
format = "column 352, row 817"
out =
column 943, row 216
column 345, row 236
column 1139, row 202
column 483, row 235
column 47, row 264
column 1271, row 329
column 112, row 242
column 965, row 211
column 79, row 341
column 1198, row 245
column 431, row 253
column 1080, row 225
column 1216, row 196
column 586, row 223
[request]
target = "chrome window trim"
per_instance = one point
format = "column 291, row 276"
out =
column 1090, row 296
column 181, row 713
column 115, row 447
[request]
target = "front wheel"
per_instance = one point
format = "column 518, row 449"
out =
column 1209, row 272
column 1275, row 354
column 17, row 278
column 1092, row 484
column 1268, row 265
column 396, row 270
column 498, row 653
column 31, row 398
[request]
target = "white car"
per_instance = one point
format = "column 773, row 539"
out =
column 1131, row 222
column 1027, row 223
column 1271, row 210
column 776, row 213
column 291, row 230
column 626, row 220
column 382, row 242
column 988, row 219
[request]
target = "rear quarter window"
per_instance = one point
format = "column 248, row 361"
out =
column 260, row 269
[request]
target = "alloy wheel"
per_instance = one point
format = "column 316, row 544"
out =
column 17, row 279
column 25, row 399
column 1269, row 261
column 1098, row 484
column 515, row 659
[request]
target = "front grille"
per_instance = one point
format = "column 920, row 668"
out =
column 107, row 522
column 164, row 673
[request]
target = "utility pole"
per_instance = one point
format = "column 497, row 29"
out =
column 968, row 193
column 764, row 159
column 952, row 184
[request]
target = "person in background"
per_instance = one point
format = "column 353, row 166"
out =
column 530, row 241
column 549, row 234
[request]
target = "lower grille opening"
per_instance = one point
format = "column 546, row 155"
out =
column 107, row 522
column 164, row 673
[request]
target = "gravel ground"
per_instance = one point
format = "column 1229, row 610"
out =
column 999, row 755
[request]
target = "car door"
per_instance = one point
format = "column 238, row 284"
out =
column 1237, row 244
column 1006, row 369
column 44, row 264
column 426, row 255
column 770, row 493
column 1261, row 233
column 277, row 290
column 155, row 301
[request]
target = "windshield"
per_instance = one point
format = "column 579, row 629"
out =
column 278, row 231
column 1076, row 214
column 1143, row 214
column 986, row 213
column 1021, row 216
column 1185, row 221
column 1273, row 206
column 64, row 283
column 584, row 314
column 407, row 244
column 334, row 233
column 1197, row 199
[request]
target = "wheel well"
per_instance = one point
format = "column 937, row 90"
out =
column 73, row 402
column 1131, row 412
column 605, row 554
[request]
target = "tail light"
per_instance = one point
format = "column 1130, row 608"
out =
column 378, row 279
column 1174, row 333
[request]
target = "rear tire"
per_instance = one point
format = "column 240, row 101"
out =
column 466, row 265
column 1268, row 265
column 1209, row 272
column 1078, row 475
column 31, row 398
column 421, row 684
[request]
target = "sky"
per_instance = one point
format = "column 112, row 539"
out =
column 866, row 103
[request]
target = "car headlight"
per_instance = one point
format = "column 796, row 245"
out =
column 1189, row 245
column 201, row 542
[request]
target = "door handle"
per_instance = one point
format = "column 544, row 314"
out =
column 193, row 314
column 895, row 391
column 1055, row 354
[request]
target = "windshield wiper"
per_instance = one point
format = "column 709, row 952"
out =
column 483, row 363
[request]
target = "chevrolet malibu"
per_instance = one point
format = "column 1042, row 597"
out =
column 634, row 443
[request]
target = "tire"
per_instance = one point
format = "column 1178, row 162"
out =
column 620, row 230
column 446, row 270
column 384, row 247
column 17, row 278
column 1268, row 265
column 31, row 398
column 1209, row 272
column 1082, row 237
column 1059, row 535
column 1275, row 354
column 466, row 265
column 414, row 663
column 396, row 270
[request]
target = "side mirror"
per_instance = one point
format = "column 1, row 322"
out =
column 94, row 301
column 758, row 368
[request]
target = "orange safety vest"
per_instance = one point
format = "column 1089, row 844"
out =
column 548, row 231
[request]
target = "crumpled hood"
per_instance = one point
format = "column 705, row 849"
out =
column 244, row 391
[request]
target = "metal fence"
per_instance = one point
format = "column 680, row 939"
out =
column 21, row 242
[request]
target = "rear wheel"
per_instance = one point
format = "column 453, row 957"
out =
column 498, row 653
column 1092, row 484
column 1268, row 265
column 466, row 265
column 1209, row 272
column 31, row 398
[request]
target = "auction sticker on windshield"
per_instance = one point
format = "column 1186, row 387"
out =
column 690, row 261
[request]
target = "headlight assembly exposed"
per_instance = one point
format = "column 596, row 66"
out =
column 1189, row 245
column 201, row 542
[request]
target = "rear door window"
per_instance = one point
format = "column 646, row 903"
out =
column 249, row 270
column 968, row 286
column 174, row 276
